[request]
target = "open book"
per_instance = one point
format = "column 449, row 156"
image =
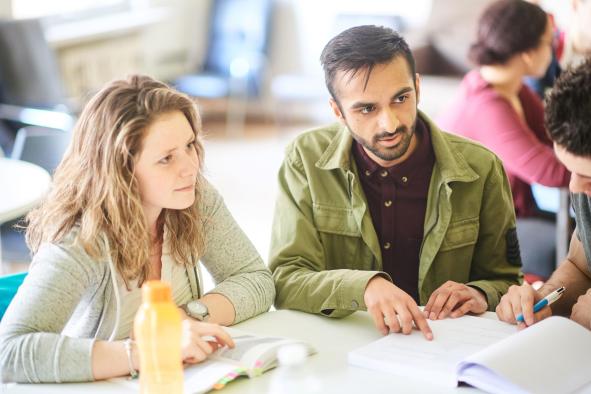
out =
column 552, row 356
column 251, row 356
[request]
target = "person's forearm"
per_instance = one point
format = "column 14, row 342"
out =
column 221, row 310
column 109, row 359
column 575, row 281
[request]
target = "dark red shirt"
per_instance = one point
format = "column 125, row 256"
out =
column 397, row 200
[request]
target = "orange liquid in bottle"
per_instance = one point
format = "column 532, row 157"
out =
column 157, row 328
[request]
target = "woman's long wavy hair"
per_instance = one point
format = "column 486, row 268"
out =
column 95, row 187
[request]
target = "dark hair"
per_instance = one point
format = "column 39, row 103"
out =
column 568, row 110
column 505, row 28
column 362, row 47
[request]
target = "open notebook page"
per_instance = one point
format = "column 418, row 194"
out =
column 413, row 356
column 552, row 356
column 202, row 377
column 199, row 378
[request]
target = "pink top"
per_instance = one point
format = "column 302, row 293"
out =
column 478, row 112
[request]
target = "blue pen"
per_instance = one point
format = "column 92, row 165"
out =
column 549, row 299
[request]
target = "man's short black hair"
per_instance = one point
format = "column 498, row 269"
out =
column 568, row 110
column 361, row 48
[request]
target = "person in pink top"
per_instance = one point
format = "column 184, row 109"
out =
column 495, row 108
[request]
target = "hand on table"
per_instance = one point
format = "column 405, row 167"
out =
column 392, row 309
column 454, row 299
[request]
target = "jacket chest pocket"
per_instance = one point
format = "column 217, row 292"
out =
column 335, row 220
column 340, row 236
column 460, row 234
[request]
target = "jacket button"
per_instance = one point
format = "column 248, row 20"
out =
column 387, row 245
column 367, row 172
column 388, row 203
column 354, row 304
column 384, row 173
column 404, row 179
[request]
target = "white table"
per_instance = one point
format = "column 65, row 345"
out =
column 331, row 338
column 22, row 186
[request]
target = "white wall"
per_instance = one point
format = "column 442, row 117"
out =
column 561, row 9
column 5, row 9
column 177, row 44
column 303, row 27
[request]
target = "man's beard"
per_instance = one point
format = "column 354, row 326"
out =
column 387, row 153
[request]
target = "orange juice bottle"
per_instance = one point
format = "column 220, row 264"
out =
column 157, row 328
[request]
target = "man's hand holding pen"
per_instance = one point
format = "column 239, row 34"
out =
column 517, row 306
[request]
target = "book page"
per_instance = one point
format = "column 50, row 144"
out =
column 256, row 354
column 551, row 356
column 204, row 376
column 199, row 378
column 244, row 344
column 413, row 356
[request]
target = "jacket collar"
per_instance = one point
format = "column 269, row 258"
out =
column 451, row 162
column 338, row 153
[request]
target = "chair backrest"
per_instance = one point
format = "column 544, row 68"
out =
column 239, row 31
column 42, row 146
column 29, row 73
column 9, row 285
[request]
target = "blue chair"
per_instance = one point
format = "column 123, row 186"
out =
column 237, row 49
column 236, row 58
column 9, row 285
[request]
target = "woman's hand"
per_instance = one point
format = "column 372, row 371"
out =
column 200, row 339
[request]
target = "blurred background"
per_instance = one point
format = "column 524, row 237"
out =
column 252, row 65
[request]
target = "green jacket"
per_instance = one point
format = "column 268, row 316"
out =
column 324, row 248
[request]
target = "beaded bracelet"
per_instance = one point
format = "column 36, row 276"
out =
column 128, row 343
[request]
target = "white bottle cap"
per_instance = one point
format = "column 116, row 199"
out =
column 294, row 354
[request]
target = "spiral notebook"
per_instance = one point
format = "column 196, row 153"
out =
column 552, row 356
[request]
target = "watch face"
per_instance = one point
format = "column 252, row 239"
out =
column 196, row 308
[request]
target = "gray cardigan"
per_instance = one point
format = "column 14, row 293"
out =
column 68, row 300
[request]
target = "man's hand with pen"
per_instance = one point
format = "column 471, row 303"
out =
column 524, row 306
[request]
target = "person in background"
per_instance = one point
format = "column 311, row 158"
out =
column 541, row 84
column 568, row 120
column 128, row 204
column 384, row 211
column 571, row 45
column 495, row 108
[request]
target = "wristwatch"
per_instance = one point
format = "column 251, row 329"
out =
column 197, row 310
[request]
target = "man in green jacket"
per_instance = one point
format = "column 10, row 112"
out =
column 383, row 211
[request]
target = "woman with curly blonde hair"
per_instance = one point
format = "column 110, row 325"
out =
column 128, row 204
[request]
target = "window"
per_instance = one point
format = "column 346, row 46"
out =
column 56, row 11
